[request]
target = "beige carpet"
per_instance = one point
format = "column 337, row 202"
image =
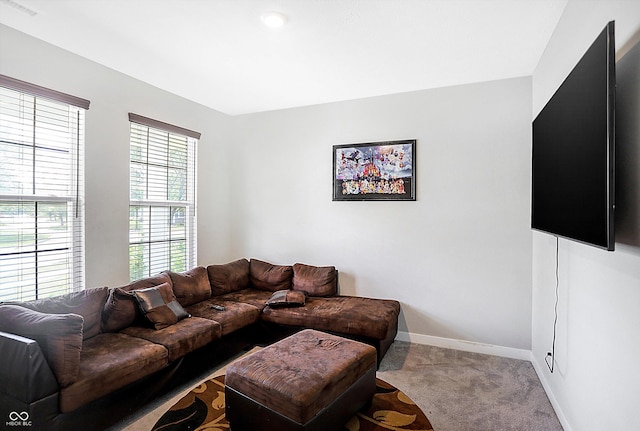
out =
column 458, row 391
column 463, row 391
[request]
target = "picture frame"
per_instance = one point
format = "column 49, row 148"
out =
column 375, row 171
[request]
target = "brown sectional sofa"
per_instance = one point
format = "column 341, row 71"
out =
column 89, row 358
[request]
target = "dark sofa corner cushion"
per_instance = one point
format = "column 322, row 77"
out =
column 192, row 286
column 87, row 303
column 229, row 277
column 59, row 337
column 160, row 306
column 121, row 308
column 267, row 276
column 315, row 280
column 287, row 298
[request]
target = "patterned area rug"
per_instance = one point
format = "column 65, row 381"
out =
column 203, row 409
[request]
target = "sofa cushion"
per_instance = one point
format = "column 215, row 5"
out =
column 365, row 317
column 121, row 309
column 235, row 315
column 256, row 297
column 270, row 277
column 180, row 338
column 87, row 303
column 109, row 362
column 58, row 335
column 160, row 306
column 315, row 280
column 287, row 298
column 191, row 286
column 229, row 277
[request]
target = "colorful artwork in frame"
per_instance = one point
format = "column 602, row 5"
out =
column 375, row 171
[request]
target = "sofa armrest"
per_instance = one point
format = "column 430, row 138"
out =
column 24, row 372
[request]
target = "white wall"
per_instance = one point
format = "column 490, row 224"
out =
column 112, row 95
column 459, row 258
column 596, row 377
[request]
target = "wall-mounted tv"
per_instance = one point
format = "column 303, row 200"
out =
column 573, row 151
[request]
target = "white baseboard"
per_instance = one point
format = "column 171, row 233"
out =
column 542, row 376
column 467, row 346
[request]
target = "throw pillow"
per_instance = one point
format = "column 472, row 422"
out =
column 121, row 308
column 58, row 335
column 229, row 277
column 267, row 276
column 192, row 286
column 287, row 298
column 315, row 280
column 160, row 306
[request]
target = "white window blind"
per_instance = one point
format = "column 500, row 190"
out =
column 41, row 191
column 162, row 208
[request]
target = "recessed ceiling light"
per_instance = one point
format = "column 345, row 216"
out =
column 273, row 19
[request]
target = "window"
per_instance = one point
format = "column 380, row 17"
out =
column 41, row 191
column 162, row 208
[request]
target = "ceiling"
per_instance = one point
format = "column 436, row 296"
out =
column 218, row 53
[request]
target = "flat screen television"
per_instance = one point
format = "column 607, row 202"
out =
column 573, row 151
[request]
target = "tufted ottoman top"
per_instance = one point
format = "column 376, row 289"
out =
column 300, row 375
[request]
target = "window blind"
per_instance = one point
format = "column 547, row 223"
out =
column 41, row 192
column 162, row 208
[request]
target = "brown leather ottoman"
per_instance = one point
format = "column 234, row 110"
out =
column 308, row 381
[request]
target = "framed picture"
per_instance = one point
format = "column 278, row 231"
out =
column 377, row 171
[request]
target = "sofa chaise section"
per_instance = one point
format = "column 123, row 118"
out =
column 365, row 319
column 256, row 282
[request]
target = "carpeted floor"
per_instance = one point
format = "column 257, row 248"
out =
column 458, row 391
column 463, row 391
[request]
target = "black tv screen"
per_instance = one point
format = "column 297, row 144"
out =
column 573, row 151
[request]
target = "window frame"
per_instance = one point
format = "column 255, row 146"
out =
column 152, row 238
column 63, row 145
